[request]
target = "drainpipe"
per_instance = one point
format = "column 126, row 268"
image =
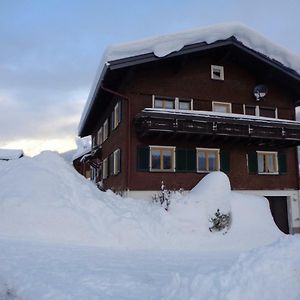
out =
column 128, row 130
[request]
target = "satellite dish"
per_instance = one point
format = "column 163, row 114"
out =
column 260, row 91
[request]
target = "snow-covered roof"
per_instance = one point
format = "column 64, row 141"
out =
column 166, row 44
column 81, row 152
column 10, row 154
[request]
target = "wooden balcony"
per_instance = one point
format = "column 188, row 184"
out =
column 210, row 125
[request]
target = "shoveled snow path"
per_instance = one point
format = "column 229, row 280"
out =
column 38, row 271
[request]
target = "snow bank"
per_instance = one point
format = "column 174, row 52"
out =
column 270, row 272
column 45, row 199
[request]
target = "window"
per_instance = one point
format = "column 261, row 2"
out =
column 159, row 102
column 117, row 112
column 100, row 136
column 94, row 174
column 217, row 72
column 250, row 110
column 208, row 160
column 117, row 162
column 267, row 162
column 162, row 158
column 105, row 130
column 269, row 112
column 222, row 107
column 185, row 104
column 172, row 103
column 105, row 168
column 94, row 140
column 111, row 164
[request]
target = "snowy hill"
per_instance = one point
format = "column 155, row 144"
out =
column 43, row 198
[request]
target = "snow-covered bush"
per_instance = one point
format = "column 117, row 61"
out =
column 220, row 221
column 163, row 197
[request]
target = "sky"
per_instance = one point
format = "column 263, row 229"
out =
column 50, row 51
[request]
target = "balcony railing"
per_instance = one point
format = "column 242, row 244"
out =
column 219, row 125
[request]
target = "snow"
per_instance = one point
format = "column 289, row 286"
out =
column 83, row 147
column 43, row 198
column 61, row 238
column 270, row 272
column 9, row 154
column 163, row 45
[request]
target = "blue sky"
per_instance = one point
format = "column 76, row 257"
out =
column 50, row 51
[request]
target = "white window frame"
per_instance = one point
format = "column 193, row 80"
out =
column 257, row 110
column 219, row 68
column 117, row 156
column 221, row 103
column 104, row 168
column 176, row 102
column 275, row 153
column 105, row 130
column 173, row 151
column 116, row 113
column 215, row 150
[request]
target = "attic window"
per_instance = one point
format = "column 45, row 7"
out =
column 217, row 72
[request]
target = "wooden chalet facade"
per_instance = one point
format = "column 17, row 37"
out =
column 176, row 118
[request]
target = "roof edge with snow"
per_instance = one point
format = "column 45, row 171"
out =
column 145, row 50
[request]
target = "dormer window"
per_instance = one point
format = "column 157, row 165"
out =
column 217, row 72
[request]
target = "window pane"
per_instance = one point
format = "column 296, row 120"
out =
column 201, row 161
column 271, row 163
column 170, row 104
column 158, row 103
column 155, row 159
column 212, row 161
column 185, row 105
column 261, row 164
column 250, row 110
column 167, row 159
column 223, row 108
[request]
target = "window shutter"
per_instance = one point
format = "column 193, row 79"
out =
column 191, row 160
column 143, row 158
column 252, row 162
column 282, row 163
column 224, row 161
column 181, row 160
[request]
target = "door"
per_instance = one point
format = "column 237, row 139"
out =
column 278, row 206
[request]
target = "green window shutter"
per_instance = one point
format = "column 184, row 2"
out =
column 191, row 160
column 224, row 161
column 143, row 158
column 252, row 162
column 282, row 163
column 181, row 160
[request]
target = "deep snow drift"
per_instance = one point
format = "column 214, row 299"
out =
column 43, row 198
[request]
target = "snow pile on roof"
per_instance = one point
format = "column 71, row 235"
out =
column 270, row 272
column 163, row 45
column 83, row 147
column 168, row 43
column 9, row 154
column 43, row 198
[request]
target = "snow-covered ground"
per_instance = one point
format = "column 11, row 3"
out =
column 61, row 238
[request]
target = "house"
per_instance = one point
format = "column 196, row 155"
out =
column 176, row 107
column 10, row 154
column 82, row 164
